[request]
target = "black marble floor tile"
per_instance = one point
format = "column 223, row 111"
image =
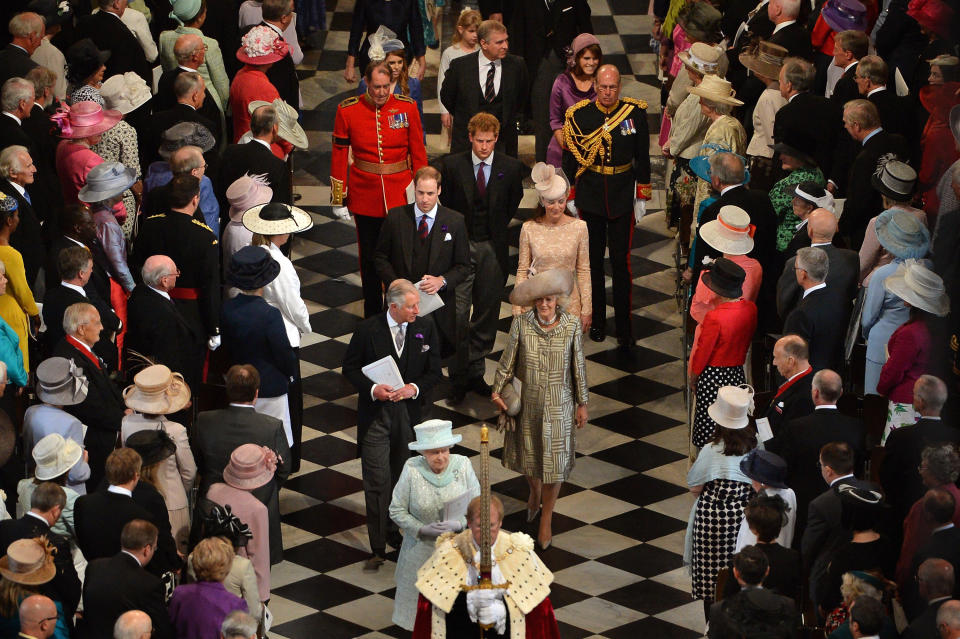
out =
column 632, row 361
column 333, row 293
column 324, row 555
column 632, row 389
column 561, row 596
column 651, row 627
column 638, row 456
column 328, row 353
column 556, row 559
column 640, row 490
column 644, row 560
column 648, row 596
column 520, row 490
column 603, row 25
column 334, row 322
column 328, row 451
column 320, row 624
column 328, row 385
column 329, row 417
column 642, row 524
column 332, row 234
column 324, row 519
column 331, row 263
column 572, row 632
column 637, row 43
column 325, row 484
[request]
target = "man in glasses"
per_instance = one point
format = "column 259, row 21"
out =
column 38, row 617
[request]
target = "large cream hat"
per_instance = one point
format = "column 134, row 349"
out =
column 551, row 282
column 55, row 455
column 289, row 129
column 156, row 390
column 732, row 406
column 701, row 57
column 549, row 181
column 919, row 286
column 731, row 232
column 716, row 89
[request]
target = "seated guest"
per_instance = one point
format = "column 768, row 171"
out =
column 935, row 586
column 855, row 585
column 186, row 160
column 133, row 624
column 55, row 459
column 38, row 617
column 768, row 473
column 198, row 609
column 29, row 567
column 793, row 397
column 767, row 516
column 120, row 582
column 754, row 609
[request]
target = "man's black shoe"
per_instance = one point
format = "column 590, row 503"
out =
column 597, row 334
column 625, row 344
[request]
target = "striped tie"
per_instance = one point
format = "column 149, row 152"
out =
column 422, row 229
column 488, row 93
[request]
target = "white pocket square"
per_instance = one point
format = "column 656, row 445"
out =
column 565, row 10
column 447, row 237
column 424, row 348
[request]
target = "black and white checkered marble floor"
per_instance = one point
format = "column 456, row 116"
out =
column 619, row 522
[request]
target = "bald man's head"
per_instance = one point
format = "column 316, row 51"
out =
column 38, row 616
column 935, row 578
column 826, row 388
column 155, row 271
column 133, row 624
column 821, row 226
column 188, row 47
column 607, row 85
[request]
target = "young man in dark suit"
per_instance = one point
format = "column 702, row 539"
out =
column 488, row 205
column 754, row 607
column 849, row 47
column 386, row 416
column 490, row 80
column 109, row 33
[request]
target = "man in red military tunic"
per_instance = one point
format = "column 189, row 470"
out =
column 384, row 131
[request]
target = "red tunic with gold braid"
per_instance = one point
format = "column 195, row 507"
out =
column 388, row 149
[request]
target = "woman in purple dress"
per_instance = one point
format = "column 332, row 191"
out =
column 572, row 86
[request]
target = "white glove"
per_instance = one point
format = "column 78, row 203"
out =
column 494, row 614
column 572, row 207
column 450, row 525
column 434, row 529
column 214, row 342
column 639, row 210
column 480, row 599
column 341, row 212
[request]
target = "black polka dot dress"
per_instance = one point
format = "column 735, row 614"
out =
column 708, row 384
column 716, row 523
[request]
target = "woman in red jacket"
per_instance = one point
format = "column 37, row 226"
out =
column 725, row 335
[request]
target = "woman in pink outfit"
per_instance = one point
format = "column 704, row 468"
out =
column 80, row 126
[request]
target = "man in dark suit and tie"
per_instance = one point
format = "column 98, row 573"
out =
column 27, row 32
column 255, row 158
column 788, row 31
column 386, row 416
column 896, row 112
column 78, row 229
column 899, row 477
column 793, row 398
column 277, row 15
column 753, row 604
column 489, row 80
column 806, row 118
column 109, row 33
column 823, row 313
column 486, row 187
column 190, row 53
column 427, row 243
column 944, row 542
column 935, row 585
column 190, row 91
column 800, row 440
column 120, row 582
column 17, row 98
column 17, row 171
column 848, row 48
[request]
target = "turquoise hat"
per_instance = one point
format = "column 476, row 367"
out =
column 433, row 434
column 184, row 10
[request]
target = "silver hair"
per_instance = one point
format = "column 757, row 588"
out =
column 398, row 291
column 949, row 614
column 25, row 24
column 238, row 625
column 10, row 162
column 829, row 384
column 815, row 262
column 932, row 391
column 132, row 624
column 799, row 73
column 186, row 159
column 152, row 276
column 728, row 168
column 942, row 461
column 718, row 107
column 873, row 68
column 183, row 49
column 76, row 316
column 791, row 8
column 15, row 91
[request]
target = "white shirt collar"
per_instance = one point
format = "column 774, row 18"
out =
column 947, row 526
column 878, row 89
column 783, row 25
column 188, row 69
column 78, row 289
column 847, row 68
column 796, row 375
column 871, row 134
column 120, row 490
column 727, row 188
column 392, row 323
column 264, row 143
column 40, row 517
column 19, row 47
column 934, row 417
column 476, row 160
column 159, row 292
column 790, row 99
column 18, row 187
column 839, row 478
column 800, row 225
column 815, row 288
column 484, row 63
column 432, row 213
column 825, row 406
column 15, row 118
column 75, row 241
column 241, row 405
column 89, row 350
column 127, row 552
column 816, row 244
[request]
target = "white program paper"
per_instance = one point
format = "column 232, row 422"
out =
column 763, row 429
column 429, row 302
column 384, row 371
column 456, row 507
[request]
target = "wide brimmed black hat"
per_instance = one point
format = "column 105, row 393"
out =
column 765, row 467
column 251, row 268
column 152, row 445
column 725, row 278
column 83, row 59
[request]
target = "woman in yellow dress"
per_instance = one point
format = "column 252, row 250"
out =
column 16, row 304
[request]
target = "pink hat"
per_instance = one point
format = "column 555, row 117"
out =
column 933, row 15
column 580, row 43
column 84, row 119
column 247, row 192
column 250, row 467
column 262, row 45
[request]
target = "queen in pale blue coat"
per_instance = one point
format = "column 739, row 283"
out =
column 430, row 499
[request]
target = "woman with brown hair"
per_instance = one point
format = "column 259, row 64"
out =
column 572, row 86
column 384, row 47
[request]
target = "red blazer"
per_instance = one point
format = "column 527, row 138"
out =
column 725, row 336
column 249, row 84
column 909, row 348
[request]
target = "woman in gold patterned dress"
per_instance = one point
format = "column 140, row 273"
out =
column 545, row 353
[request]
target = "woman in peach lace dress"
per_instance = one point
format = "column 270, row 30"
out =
column 556, row 240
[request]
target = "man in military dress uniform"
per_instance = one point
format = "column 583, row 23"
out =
column 193, row 248
column 384, row 131
column 607, row 150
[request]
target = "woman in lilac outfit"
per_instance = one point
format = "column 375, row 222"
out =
column 198, row 609
column 571, row 87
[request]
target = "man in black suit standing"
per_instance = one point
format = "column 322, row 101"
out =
column 16, row 100
column 753, row 606
column 190, row 53
column 78, row 229
column 386, row 416
column 823, row 313
column 255, row 158
column 800, row 440
column 489, row 80
column 944, row 542
column 109, row 33
column 896, row 112
column 27, row 32
column 16, row 173
column 793, row 398
column 806, row 115
column 542, row 36
column 46, row 506
column 935, row 585
column 487, row 205
column 277, row 15
column 427, row 243
column 190, row 91
column 120, row 583
column 848, row 48
column 901, row 482
column 788, row 31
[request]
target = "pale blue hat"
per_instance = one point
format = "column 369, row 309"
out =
column 434, row 433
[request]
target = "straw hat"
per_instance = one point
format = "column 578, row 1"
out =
column 731, row 232
column 252, row 268
column 105, row 181
column 84, row 120
column 902, row 234
column 153, row 446
column 262, row 45
column 276, row 219
column 28, row 562
column 157, row 391
column 765, row 467
column 715, row 89
column 896, row 180
column 60, row 382
column 185, row 134
column 919, row 286
column 765, row 58
column 551, row 282
column 55, row 455
column 433, row 434
column 732, row 406
column 8, row 203
column 701, row 57
column 845, row 15
column 289, row 129
column 550, row 182
column 247, row 192
column 125, row 92
column 725, row 278
column 250, row 467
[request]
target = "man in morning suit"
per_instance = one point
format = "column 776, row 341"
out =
column 103, row 408
column 157, row 329
column 427, row 243
column 753, row 604
column 220, row 432
column 793, row 398
column 486, row 187
column 16, row 100
column 788, row 30
column 189, row 89
column 46, row 506
column 848, row 48
column 825, row 530
column 800, row 440
column 78, row 229
column 822, row 315
column 17, row 171
column 943, row 543
column 27, row 32
column 806, row 115
column 490, row 80
column 277, row 15
column 904, row 446
column 191, row 54
column 611, row 175
column 109, row 33
column 896, row 112
column 119, row 583
column 256, row 158
column 935, row 585
column 386, row 417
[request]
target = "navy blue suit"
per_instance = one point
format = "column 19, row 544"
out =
column 253, row 333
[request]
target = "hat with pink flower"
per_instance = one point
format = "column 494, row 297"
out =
column 262, row 45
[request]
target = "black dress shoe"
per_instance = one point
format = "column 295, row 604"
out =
column 597, row 334
column 480, row 387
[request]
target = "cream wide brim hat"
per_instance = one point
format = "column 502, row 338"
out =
column 266, row 219
column 551, row 282
column 289, row 129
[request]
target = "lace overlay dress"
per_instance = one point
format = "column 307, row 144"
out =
column 544, row 247
column 119, row 144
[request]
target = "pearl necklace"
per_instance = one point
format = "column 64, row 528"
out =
column 545, row 324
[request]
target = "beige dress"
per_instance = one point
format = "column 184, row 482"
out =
column 544, row 247
column 551, row 369
column 727, row 132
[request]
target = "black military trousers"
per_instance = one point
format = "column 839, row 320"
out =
column 617, row 234
column 368, row 231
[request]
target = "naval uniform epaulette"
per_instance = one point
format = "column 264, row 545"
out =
column 578, row 105
column 403, row 98
column 349, row 102
column 640, row 103
column 153, row 217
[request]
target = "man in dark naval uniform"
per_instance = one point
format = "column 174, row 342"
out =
column 608, row 151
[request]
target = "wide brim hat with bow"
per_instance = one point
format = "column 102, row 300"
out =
column 550, row 282
column 262, row 45
column 28, row 562
column 896, row 180
column 550, row 182
column 289, row 129
column 252, row 268
column 731, row 232
column 60, row 382
column 156, row 390
column 247, row 192
column 250, row 467
column 105, row 181
column 701, row 57
column 54, row 455
column 715, row 89
column 725, row 278
column 125, row 92
column 765, row 467
column 732, row 407
column 933, row 15
column 433, row 434
column 920, row 287
column 84, row 120
column 764, row 59
column 902, row 234
column 275, row 218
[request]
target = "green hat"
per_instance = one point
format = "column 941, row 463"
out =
column 184, row 10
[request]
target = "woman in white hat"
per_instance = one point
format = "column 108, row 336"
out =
column 922, row 292
column 385, row 47
column 63, row 462
column 428, row 483
column 553, row 398
column 722, row 491
column 716, row 104
column 555, row 239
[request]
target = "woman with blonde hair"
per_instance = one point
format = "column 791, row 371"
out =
column 198, row 609
column 464, row 42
